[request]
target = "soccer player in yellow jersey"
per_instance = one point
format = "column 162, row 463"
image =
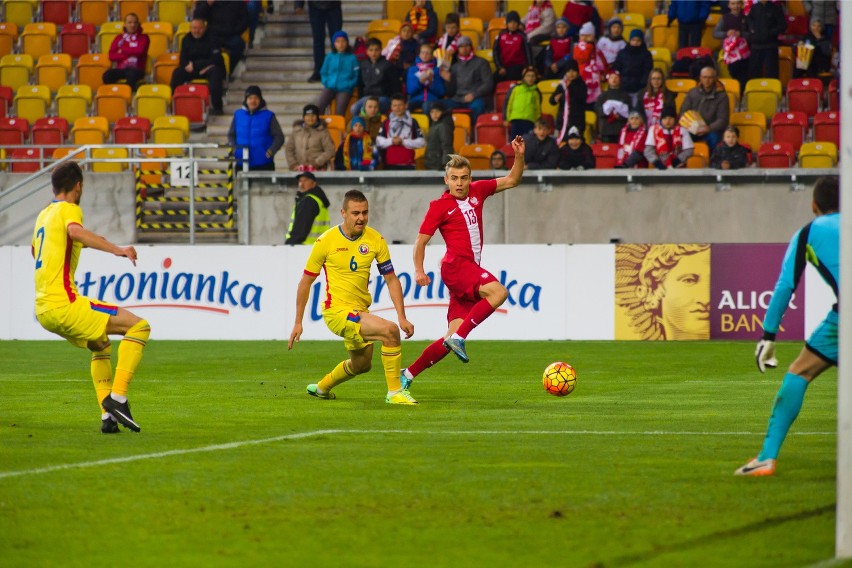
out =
column 346, row 253
column 58, row 237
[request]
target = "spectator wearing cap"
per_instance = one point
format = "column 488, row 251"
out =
column 423, row 20
column 255, row 127
column 322, row 16
column 468, row 81
column 541, row 152
column 592, row 63
column 710, row 100
column 377, row 78
column 439, row 139
column 309, row 218
column 356, row 151
column 668, row 145
column 226, row 22
column 200, row 59
column 424, row 83
column 612, row 42
column 309, row 147
column 634, row 63
column 558, row 52
column 570, row 98
column 512, row 51
column 399, row 137
column 539, row 21
column 576, row 154
column 578, row 13
column 340, row 73
column 523, row 105
column 612, row 108
column 690, row 16
column 129, row 54
column 631, row 142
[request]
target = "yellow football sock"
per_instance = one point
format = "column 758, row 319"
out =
column 338, row 375
column 102, row 373
column 392, row 362
column 129, row 355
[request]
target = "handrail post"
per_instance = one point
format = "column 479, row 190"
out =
column 245, row 201
column 192, row 171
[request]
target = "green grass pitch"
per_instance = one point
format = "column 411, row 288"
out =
column 237, row 466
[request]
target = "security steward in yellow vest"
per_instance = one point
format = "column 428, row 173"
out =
column 310, row 217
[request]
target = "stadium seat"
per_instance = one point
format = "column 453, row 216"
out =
column 25, row 160
column 53, row 70
column 14, row 131
column 422, row 122
column 796, row 8
column 790, row 127
column 109, row 153
column 383, row 30
column 546, row 87
column 462, row 129
column 827, row 127
column 131, row 130
column 700, row 157
column 818, row 155
column 482, row 9
column 90, row 69
column 143, row 179
column 171, row 130
column 680, row 85
column 707, row 39
column 164, row 66
column 32, row 102
column 180, row 32
column 606, row 8
column 160, row 35
column 107, row 33
column 833, row 96
column 76, row 39
column 192, row 102
column 632, row 21
column 90, row 130
column 153, row 101
column 490, row 130
column 733, row 88
column 591, row 131
column 509, row 152
column 478, row 154
column 76, row 154
column 73, row 101
column 58, row 12
column 606, row 155
column 786, row 60
column 38, row 39
column 112, row 101
column 95, row 12
column 662, row 58
column 8, row 38
column 692, row 52
column 20, row 12
column 50, row 131
column 752, row 126
column 7, row 96
column 663, row 35
column 487, row 55
column 643, row 7
column 336, row 126
column 472, row 28
column 776, row 155
column 501, row 91
column 495, row 26
column 804, row 95
column 797, row 28
column 15, row 70
column 763, row 95
column 138, row 7
column 172, row 11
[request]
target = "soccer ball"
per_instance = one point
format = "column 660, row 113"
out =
column 559, row 379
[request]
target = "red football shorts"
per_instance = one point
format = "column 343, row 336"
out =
column 463, row 279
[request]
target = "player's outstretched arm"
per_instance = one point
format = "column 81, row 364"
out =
column 395, row 291
column 89, row 239
column 420, row 276
column 302, row 293
column 517, row 171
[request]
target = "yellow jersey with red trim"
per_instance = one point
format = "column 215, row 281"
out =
column 56, row 255
column 346, row 263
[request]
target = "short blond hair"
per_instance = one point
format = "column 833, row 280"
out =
column 457, row 161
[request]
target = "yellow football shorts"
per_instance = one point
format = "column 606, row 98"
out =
column 347, row 325
column 82, row 321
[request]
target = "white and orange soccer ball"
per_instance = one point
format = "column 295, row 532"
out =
column 559, row 378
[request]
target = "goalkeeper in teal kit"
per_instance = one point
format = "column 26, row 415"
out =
column 818, row 242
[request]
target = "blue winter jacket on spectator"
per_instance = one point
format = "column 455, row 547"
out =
column 415, row 89
column 689, row 11
column 340, row 71
column 252, row 132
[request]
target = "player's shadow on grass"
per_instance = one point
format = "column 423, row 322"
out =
column 721, row 535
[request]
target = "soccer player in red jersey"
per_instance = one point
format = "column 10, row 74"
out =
column 474, row 292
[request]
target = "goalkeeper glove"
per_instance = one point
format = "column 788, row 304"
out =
column 764, row 353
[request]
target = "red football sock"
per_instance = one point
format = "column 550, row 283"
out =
column 478, row 314
column 431, row 355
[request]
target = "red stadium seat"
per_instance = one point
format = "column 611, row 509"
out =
column 605, row 155
column 790, row 127
column 776, row 155
column 31, row 157
column 77, row 39
column 692, row 52
column 804, row 95
column 131, row 130
column 191, row 101
column 827, row 127
column 501, row 91
column 50, row 131
column 6, row 98
column 833, row 96
column 510, row 155
column 797, row 26
column 58, row 12
column 14, row 131
column 490, row 129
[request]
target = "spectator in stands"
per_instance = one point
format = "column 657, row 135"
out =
column 226, row 22
column 558, row 52
column 340, row 74
column 254, row 7
column 322, row 15
column 424, row 84
column 372, row 116
column 449, row 41
column 668, row 145
column 468, row 82
column 541, row 152
column 732, row 30
column 310, row 147
column 612, row 108
column 570, row 98
column 402, row 50
column 631, row 142
column 539, row 22
column 356, row 151
column 439, row 139
column 710, row 100
column 730, row 154
column 690, row 16
column 200, row 58
column 576, row 154
column 423, row 20
column 498, row 160
column 656, row 96
column 592, row 64
column 610, row 44
column 523, row 105
column 578, row 13
column 310, row 217
column 825, row 11
column 255, row 127
column 766, row 21
column 399, row 137
column 512, row 51
column 634, row 63
column 821, row 57
column 129, row 54
column 377, row 78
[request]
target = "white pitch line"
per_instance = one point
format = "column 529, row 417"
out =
column 297, row 436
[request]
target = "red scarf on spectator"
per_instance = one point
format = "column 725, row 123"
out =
column 667, row 142
column 565, row 109
column 534, row 16
column 653, row 107
column 630, row 141
column 735, row 49
column 419, row 19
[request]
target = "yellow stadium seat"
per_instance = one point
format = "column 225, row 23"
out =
column 785, row 63
column 487, row 55
column 483, row 9
column 707, row 39
column 591, row 126
column 818, row 155
column 336, row 125
column 95, row 12
column 700, row 157
column 472, row 28
column 495, row 26
column 461, row 130
column 172, row 11
column 422, row 121
column 8, row 37
column 109, row 153
column 15, row 70
column 180, row 32
column 752, row 126
column 150, row 153
column 763, row 95
column 680, row 85
column 171, row 130
column 160, row 35
column 90, row 130
column 32, row 102
column 647, row 8
column 90, row 69
column 72, row 102
column 383, row 30
column 53, row 70
column 112, row 101
column 632, row 21
column 153, row 101
column 546, row 87
column 138, row 7
column 164, row 66
column 38, row 39
column 63, row 151
column 663, row 35
column 662, row 58
column 478, row 154
column 606, row 9
column 20, row 12
column 107, row 33
column 732, row 88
